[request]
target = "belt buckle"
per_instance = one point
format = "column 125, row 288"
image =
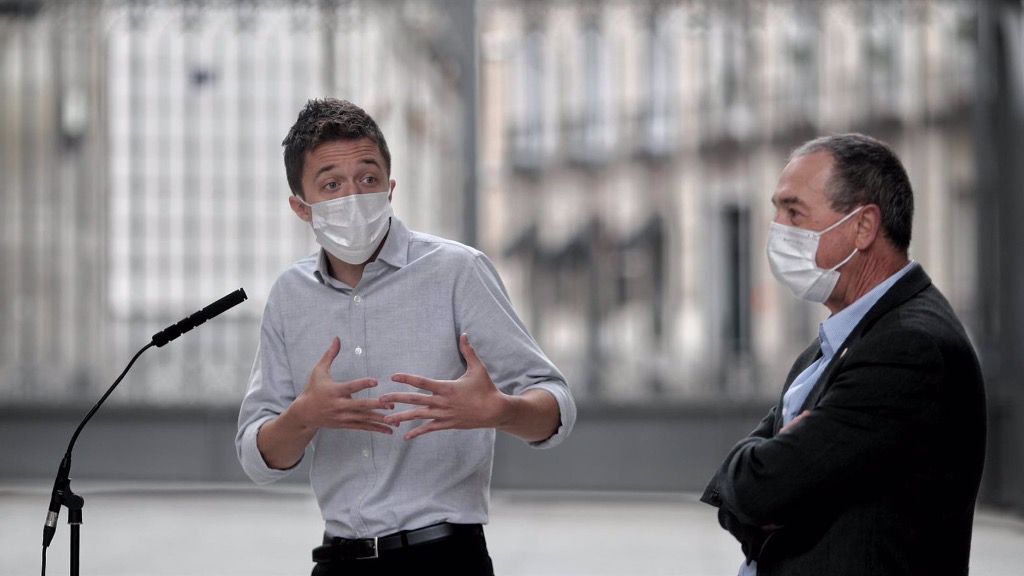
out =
column 376, row 552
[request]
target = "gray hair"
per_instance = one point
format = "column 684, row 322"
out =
column 867, row 171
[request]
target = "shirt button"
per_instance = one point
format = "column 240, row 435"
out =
column 358, row 351
column 358, row 298
column 366, row 453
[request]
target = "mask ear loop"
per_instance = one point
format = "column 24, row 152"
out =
column 309, row 207
column 843, row 219
column 855, row 250
column 845, row 260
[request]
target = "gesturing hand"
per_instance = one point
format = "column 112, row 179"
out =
column 472, row 401
column 329, row 404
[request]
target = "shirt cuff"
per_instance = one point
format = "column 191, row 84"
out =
column 566, row 413
column 252, row 461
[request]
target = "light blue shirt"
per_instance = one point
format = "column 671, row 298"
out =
column 405, row 315
column 832, row 334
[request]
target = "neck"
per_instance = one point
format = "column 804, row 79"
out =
column 350, row 274
column 874, row 269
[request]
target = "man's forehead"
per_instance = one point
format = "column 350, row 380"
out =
column 803, row 180
column 361, row 150
column 816, row 167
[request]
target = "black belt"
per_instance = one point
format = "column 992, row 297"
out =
column 335, row 549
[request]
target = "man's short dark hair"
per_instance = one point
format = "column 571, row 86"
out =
column 326, row 120
column 867, row 171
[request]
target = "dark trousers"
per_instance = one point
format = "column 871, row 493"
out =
column 462, row 554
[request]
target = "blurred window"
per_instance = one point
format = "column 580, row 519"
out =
column 659, row 116
column 528, row 126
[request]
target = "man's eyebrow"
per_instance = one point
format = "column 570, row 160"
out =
column 327, row 168
column 368, row 160
column 788, row 201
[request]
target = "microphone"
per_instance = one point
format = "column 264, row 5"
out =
column 223, row 305
column 62, row 494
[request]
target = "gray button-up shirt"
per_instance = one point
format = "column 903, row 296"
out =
column 405, row 315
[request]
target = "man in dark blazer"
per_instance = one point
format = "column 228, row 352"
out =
column 870, row 462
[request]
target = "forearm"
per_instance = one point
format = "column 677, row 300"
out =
column 532, row 416
column 283, row 440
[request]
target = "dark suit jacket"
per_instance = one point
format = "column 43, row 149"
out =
column 882, row 476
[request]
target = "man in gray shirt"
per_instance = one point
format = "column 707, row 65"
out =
column 368, row 351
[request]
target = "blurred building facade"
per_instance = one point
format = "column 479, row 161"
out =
column 629, row 151
column 143, row 174
column 614, row 157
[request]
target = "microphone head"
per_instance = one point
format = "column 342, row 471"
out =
column 224, row 304
column 220, row 306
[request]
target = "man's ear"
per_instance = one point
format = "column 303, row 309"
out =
column 869, row 226
column 391, row 189
column 300, row 209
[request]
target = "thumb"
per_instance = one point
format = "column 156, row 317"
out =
column 328, row 358
column 472, row 360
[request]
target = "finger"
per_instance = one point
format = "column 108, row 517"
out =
column 367, row 426
column 432, row 426
column 353, row 386
column 472, row 360
column 367, row 417
column 328, row 358
column 794, row 421
column 407, row 415
column 348, row 411
column 349, row 416
column 371, row 404
column 416, row 399
column 435, row 386
column 799, row 417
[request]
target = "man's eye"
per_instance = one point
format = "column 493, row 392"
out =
column 369, row 180
column 331, row 186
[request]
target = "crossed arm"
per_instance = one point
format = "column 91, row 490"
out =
column 869, row 419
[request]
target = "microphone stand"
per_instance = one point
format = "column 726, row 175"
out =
column 62, row 494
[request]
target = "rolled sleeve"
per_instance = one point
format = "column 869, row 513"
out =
column 566, row 413
column 251, row 459
column 268, row 395
column 513, row 358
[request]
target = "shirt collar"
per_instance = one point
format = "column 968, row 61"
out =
column 395, row 251
column 836, row 328
column 396, row 248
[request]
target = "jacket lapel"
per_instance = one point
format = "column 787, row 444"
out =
column 805, row 359
column 909, row 286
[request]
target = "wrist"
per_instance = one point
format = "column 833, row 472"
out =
column 296, row 415
column 508, row 411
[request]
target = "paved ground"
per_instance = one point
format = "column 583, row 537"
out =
column 227, row 530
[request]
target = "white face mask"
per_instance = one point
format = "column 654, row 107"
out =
column 351, row 227
column 792, row 256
